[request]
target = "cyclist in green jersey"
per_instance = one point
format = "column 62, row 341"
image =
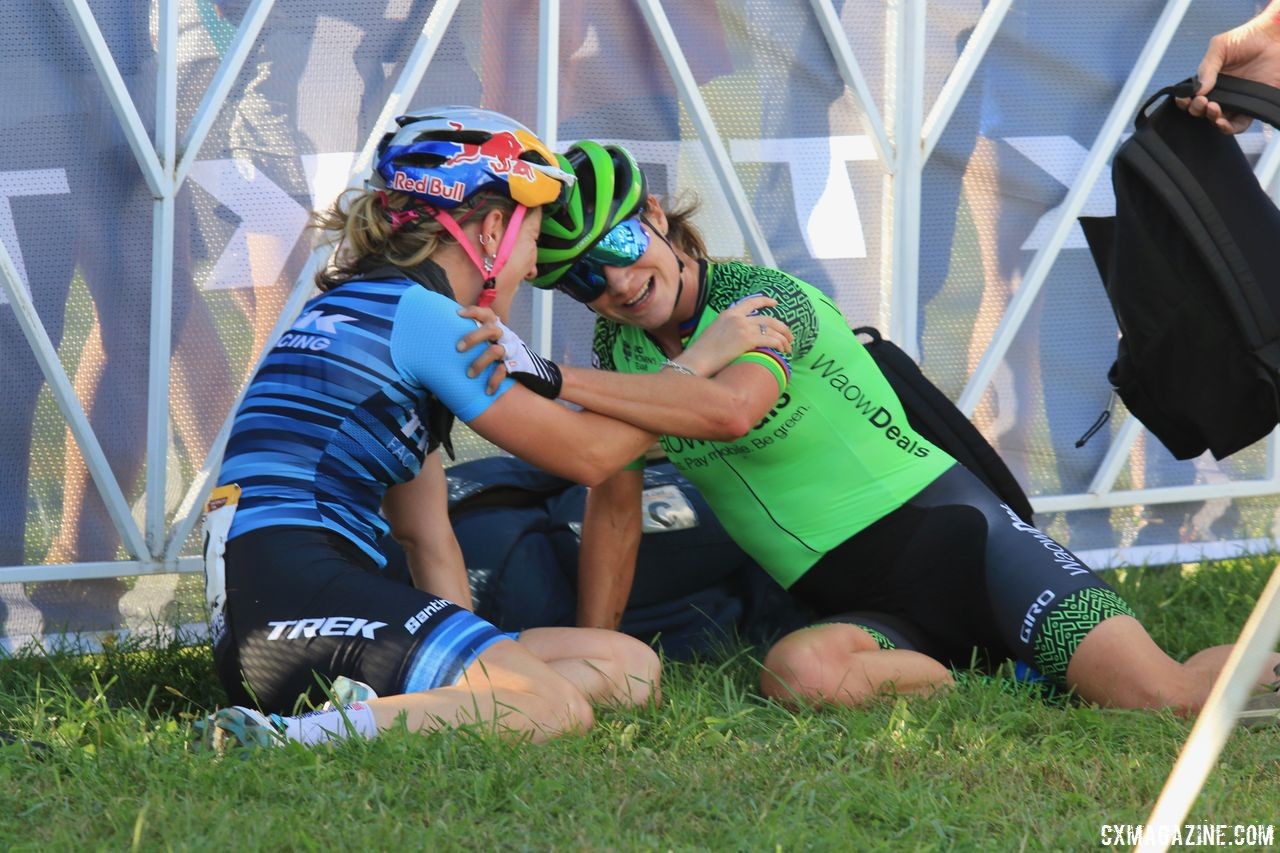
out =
column 810, row 464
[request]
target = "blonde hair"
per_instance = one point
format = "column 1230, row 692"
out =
column 360, row 223
column 681, row 231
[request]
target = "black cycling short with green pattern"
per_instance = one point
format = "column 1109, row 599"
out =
column 889, row 632
column 968, row 579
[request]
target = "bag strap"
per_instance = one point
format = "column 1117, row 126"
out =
column 935, row 416
column 1180, row 187
column 1238, row 95
column 1235, row 94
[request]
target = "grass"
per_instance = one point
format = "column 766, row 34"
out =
column 988, row 766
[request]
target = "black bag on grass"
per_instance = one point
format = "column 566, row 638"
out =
column 1191, row 263
column 933, row 415
column 694, row 588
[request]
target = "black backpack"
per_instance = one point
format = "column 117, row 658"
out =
column 934, row 416
column 695, row 590
column 1189, row 262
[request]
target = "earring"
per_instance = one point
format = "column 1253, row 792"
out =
column 484, row 240
column 488, row 265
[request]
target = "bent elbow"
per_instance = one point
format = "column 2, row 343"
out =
column 594, row 476
column 738, row 427
column 591, row 469
column 408, row 541
column 731, row 423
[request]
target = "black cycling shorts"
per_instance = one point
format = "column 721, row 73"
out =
column 970, row 575
column 889, row 631
column 305, row 605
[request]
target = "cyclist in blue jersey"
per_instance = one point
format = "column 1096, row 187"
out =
column 336, row 444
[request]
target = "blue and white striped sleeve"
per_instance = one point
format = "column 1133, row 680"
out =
column 424, row 339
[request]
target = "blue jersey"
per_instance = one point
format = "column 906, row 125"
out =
column 343, row 407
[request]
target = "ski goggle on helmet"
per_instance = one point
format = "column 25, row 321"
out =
column 598, row 225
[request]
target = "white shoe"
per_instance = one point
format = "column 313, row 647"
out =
column 238, row 727
column 1262, row 710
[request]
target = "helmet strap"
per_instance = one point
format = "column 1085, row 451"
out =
column 397, row 218
column 490, row 266
column 679, row 263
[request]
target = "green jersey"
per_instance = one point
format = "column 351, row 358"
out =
column 833, row 455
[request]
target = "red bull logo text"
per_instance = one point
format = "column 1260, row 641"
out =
column 433, row 186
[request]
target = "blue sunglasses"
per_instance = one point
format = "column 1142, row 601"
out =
column 621, row 247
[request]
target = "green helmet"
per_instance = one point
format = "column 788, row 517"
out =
column 610, row 188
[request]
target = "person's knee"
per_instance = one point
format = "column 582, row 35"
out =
column 816, row 664
column 555, row 706
column 543, row 700
column 638, row 669
column 578, row 715
column 630, row 669
column 840, row 663
column 789, row 672
column 1117, row 664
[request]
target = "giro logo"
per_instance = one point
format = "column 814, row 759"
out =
column 333, row 626
column 1037, row 607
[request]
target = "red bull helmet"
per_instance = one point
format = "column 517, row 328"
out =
column 443, row 156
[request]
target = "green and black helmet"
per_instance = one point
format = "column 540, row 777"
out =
column 610, row 190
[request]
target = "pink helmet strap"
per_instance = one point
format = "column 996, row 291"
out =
column 505, row 247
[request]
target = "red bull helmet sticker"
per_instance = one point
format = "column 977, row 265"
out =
column 429, row 185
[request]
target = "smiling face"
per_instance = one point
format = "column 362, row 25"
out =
column 643, row 293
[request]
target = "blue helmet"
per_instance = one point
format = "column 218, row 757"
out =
column 446, row 155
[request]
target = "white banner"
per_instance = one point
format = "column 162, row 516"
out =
column 77, row 219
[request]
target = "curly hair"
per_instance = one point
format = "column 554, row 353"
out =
column 681, row 231
column 362, row 223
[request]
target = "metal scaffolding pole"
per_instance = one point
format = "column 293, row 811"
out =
column 1119, row 118
column 548, row 129
column 721, row 164
column 908, row 173
column 161, row 335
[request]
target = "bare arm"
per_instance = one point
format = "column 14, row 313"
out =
column 611, row 528
column 583, row 446
column 738, row 329
column 723, row 408
column 418, row 512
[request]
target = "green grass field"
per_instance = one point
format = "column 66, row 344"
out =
column 988, row 766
